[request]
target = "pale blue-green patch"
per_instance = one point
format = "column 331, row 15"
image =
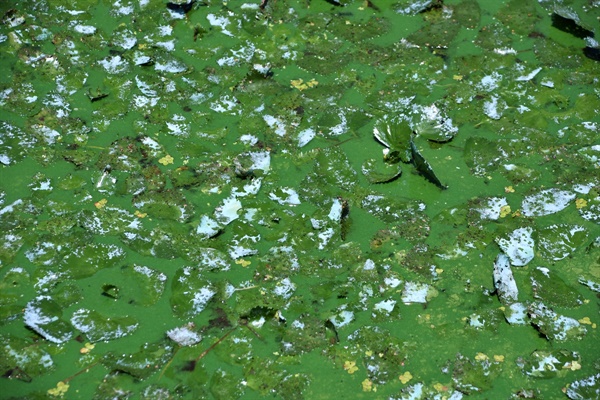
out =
column 99, row 327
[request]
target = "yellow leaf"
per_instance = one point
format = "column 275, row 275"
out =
column 457, row 77
column 580, row 203
column 481, row 357
column 573, row 366
column 440, row 387
column 301, row 85
column 60, row 389
column 242, row 262
column 140, row 214
column 350, row 366
column 367, row 385
column 504, row 211
column 405, row 377
column 166, row 160
column 509, row 189
column 586, row 320
column 101, row 203
column 498, row 358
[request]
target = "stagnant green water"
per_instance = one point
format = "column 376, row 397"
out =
column 195, row 202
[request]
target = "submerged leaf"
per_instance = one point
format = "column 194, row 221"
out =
column 379, row 172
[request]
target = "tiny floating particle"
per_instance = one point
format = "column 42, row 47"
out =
column 367, row 385
column 509, row 189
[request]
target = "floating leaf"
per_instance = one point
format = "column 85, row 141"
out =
column 424, row 168
column 551, row 289
column 504, row 281
column 518, row 246
column 98, row 327
column 395, row 136
column 379, row 172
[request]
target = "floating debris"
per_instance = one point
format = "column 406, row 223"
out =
column 504, row 281
column 518, row 245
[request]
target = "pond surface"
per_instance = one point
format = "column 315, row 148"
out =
column 299, row 199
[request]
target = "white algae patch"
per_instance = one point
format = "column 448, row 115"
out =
column 491, row 208
column 184, row 336
column 504, row 281
column 548, row 201
column 518, row 246
column 415, row 292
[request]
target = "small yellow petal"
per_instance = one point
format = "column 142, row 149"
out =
column 101, row 203
column 481, row 357
column 405, row 377
column 166, row 160
column 242, row 262
column 580, row 203
column 367, row 385
column 509, row 189
column 498, row 358
column 504, row 211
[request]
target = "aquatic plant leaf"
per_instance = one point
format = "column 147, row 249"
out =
column 547, row 201
column 518, row 245
column 504, row 280
column 142, row 363
column 586, row 388
column 98, row 327
column 558, row 241
column 424, row 168
column 550, row 363
column 19, row 353
column 224, row 385
column 474, row 375
column 87, row 260
column 554, row 326
column 378, row 172
column 396, row 136
column 44, row 316
column 552, row 289
column 191, row 292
